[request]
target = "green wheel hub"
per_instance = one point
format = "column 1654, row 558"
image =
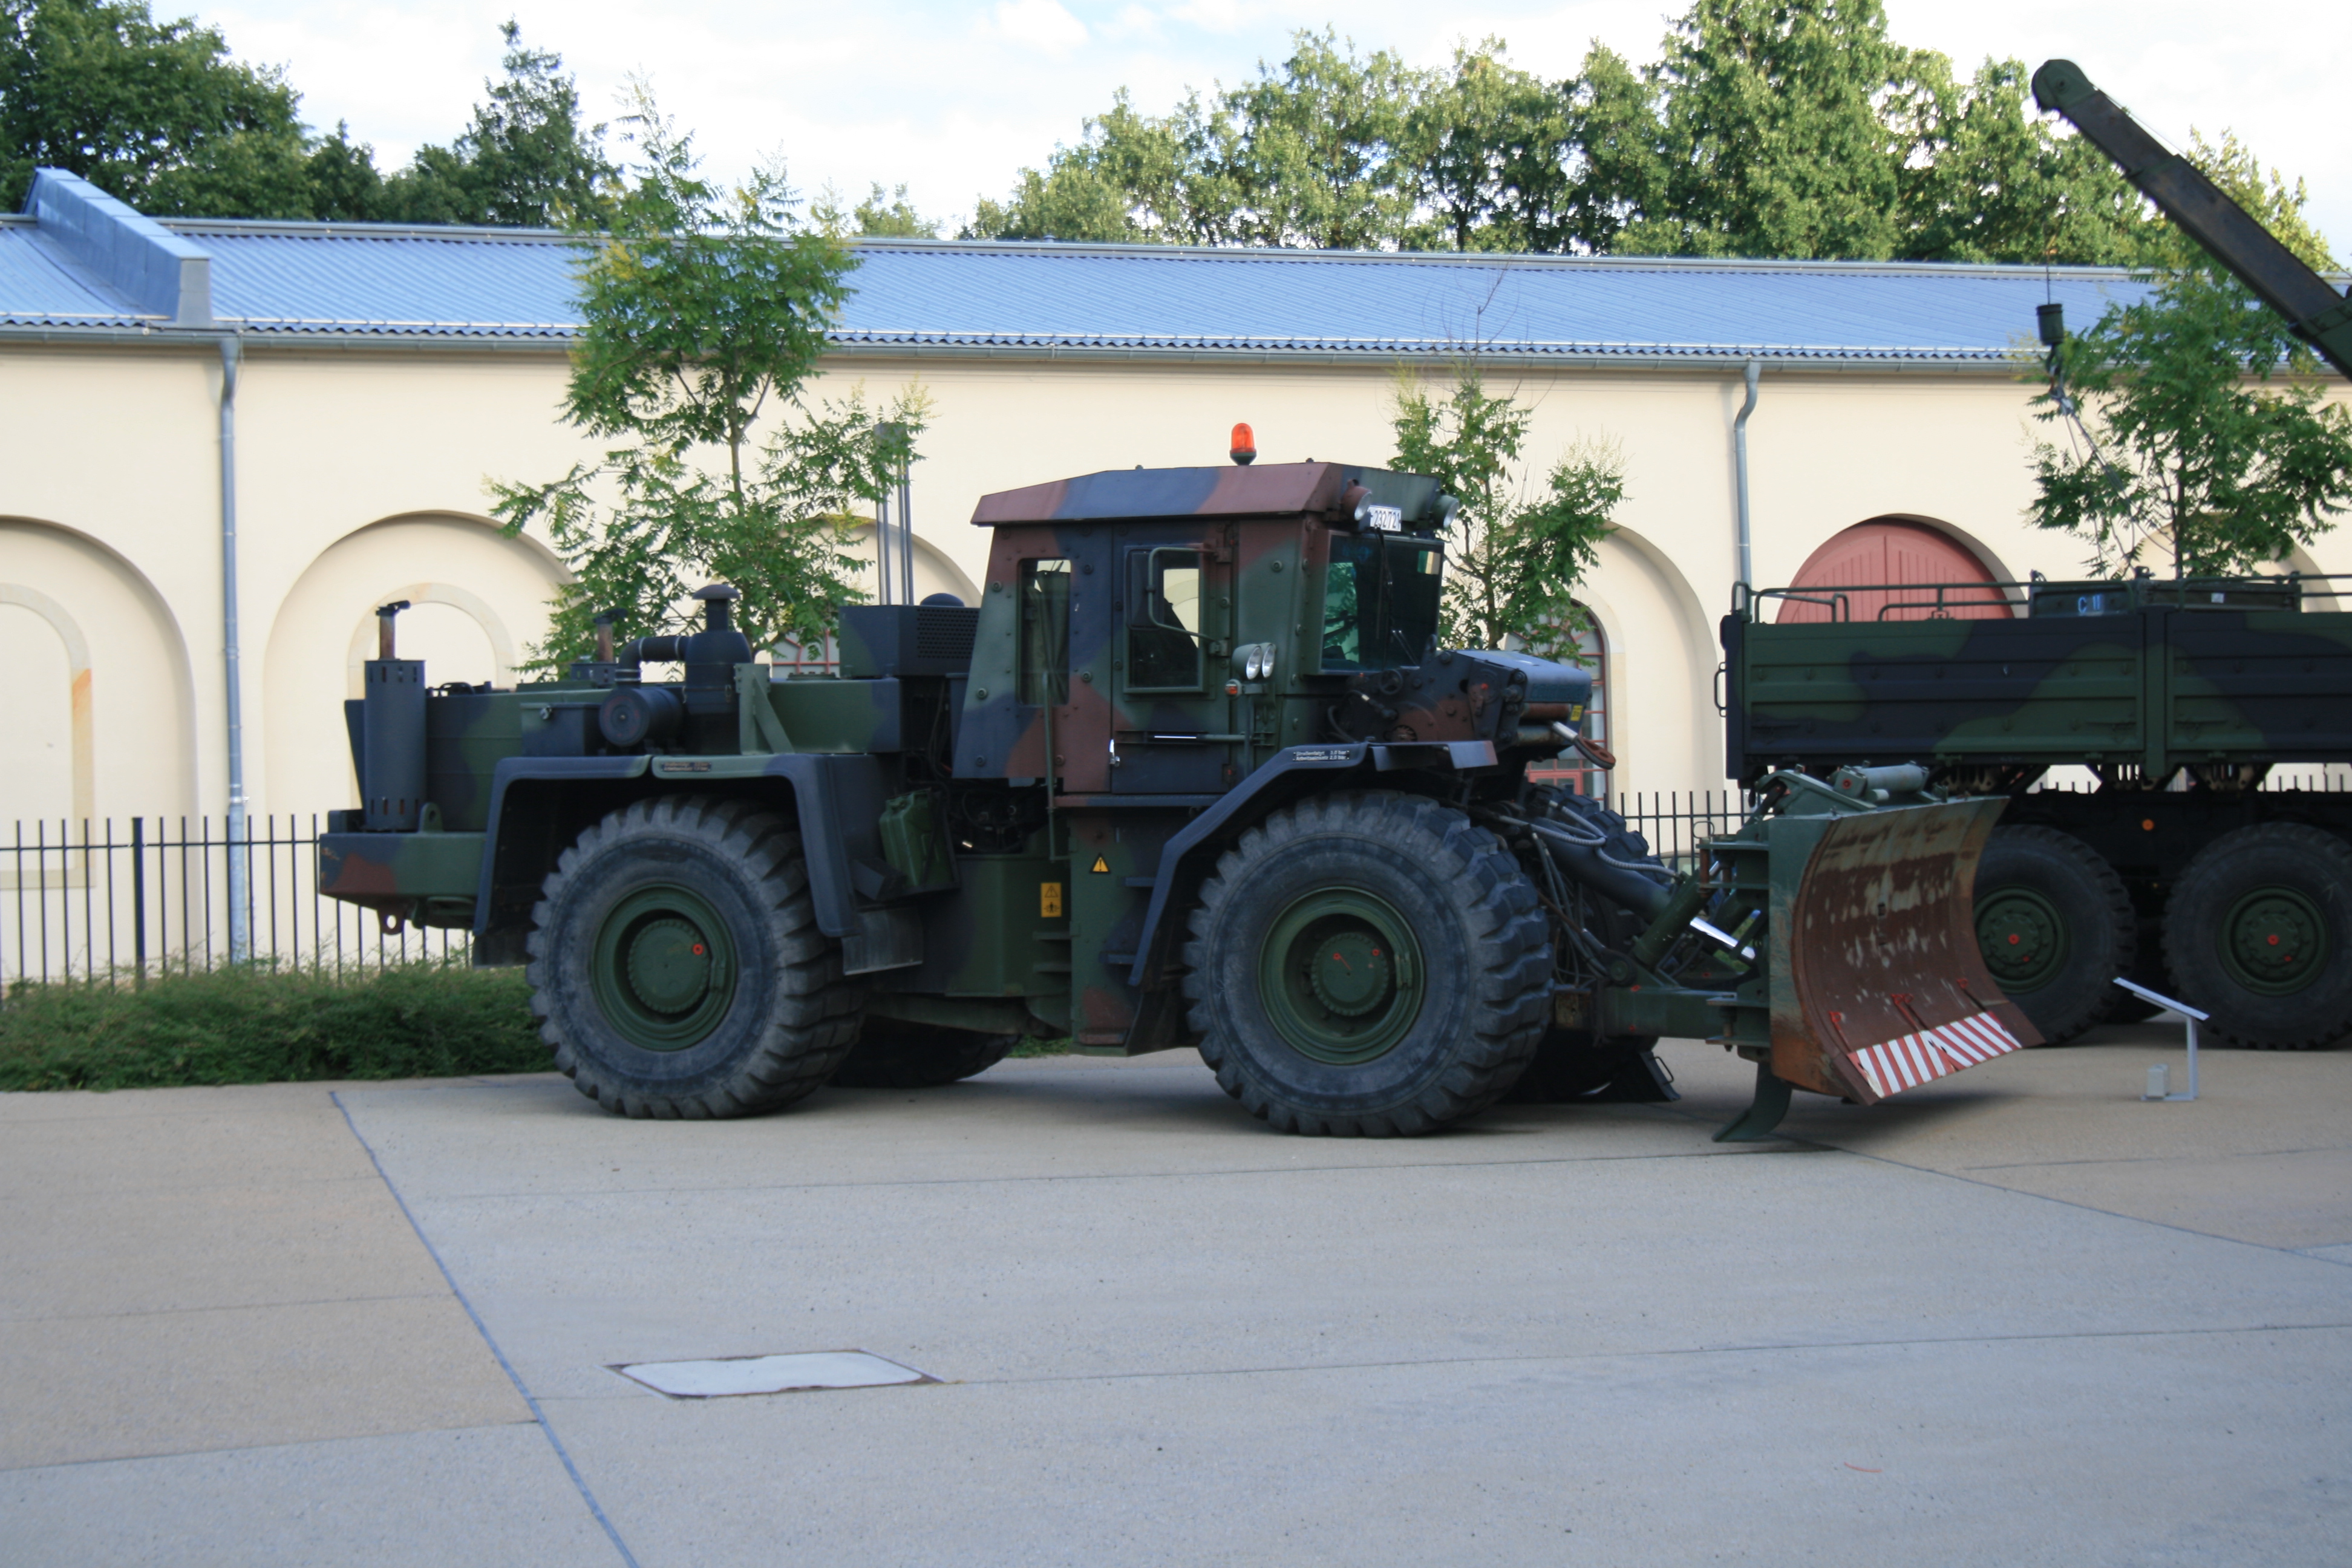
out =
column 2023, row 937
column 2275, row 941
column 663, row 968
column 1341, row 977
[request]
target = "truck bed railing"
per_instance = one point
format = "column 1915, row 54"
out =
column 2042, row 596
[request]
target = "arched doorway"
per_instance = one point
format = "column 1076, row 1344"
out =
column 1892, row 569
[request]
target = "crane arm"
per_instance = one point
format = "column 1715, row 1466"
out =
column 2230, row 235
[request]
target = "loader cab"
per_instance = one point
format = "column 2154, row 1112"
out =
column 1150, row 632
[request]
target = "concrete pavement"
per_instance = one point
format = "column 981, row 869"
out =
column 2016, row 1317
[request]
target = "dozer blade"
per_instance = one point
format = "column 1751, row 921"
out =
column 1877, row 985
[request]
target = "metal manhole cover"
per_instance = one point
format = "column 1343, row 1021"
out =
column 798, row 1373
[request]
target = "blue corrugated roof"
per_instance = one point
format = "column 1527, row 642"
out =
column 1287, row 302
column 41, row 285
column 360, row 279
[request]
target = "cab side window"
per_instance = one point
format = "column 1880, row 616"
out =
column 1163, row 620
column 1045, row 633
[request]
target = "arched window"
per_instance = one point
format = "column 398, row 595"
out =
column 1588, row 646
column 1888, row 569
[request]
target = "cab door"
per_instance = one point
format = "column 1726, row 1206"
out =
column 1171, row 728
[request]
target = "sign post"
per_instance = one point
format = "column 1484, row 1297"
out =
column 2185, row 1011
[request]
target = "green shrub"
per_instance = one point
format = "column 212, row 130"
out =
column 257, row 1025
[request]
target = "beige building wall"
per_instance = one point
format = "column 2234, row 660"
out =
column 362, row 479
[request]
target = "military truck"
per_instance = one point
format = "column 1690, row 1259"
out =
column 1194, row 771
column 2177, row 869
column 2178, row 696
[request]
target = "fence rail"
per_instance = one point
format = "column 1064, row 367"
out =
column 91, row 901
column 112, row 899
column 1676, row 822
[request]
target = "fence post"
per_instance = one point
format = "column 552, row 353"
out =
column 138, row 901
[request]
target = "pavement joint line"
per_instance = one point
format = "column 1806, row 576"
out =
column 2164, row 1159
column 1124, row 1175
column 218, row 1307
column 1960, row 1173
column 578, row 1482
column 173, row 1114
column 248, row 1448
column 1573, row 1356
column 100, row 1193
column 1961, row 1176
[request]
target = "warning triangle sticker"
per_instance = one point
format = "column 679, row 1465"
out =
column 1101, row 867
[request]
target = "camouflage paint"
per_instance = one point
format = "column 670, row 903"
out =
column 396, row 873
column 2157, row 686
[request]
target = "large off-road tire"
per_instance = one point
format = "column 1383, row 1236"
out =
column 894, row 1054
column 2055, row 926
column 1366, row 964
column 2258, row 933
column 2149, row 972
column 677, row 966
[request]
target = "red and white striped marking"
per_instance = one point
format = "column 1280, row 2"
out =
column 1910, row 1060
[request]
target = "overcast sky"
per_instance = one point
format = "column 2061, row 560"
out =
column 953, row 99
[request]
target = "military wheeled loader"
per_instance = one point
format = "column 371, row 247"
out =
column 1193, row 772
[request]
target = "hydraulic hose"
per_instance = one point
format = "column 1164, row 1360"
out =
column 1586, row 857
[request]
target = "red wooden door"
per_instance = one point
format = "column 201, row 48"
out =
column 1896, row 571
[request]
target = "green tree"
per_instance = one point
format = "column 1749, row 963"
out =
column 1769, row 127
column 705, row 312
column 1986, row 179
column 1516, row 558
column 527, row 161
column 153, row 112
column 2199, row 437
column 345, row 185
column 890, row 216
column 1772, row 134
column 1489, row 149
column 1313, row 152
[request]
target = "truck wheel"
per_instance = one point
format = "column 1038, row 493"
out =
column 2055, row 927
column 894, row 1054
column 2148, row 972
column 677, row 965
column 2257, row 932
column 1368, row 964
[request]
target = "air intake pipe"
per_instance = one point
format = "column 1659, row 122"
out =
column 637, row 715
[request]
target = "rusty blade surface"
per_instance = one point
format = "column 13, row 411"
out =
column 1882, row 948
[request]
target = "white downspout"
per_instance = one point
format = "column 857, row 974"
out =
column 240, row 915
column 1739, row 462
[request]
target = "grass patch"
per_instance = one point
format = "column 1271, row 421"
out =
column 1061, row 1048
column 263, row 1026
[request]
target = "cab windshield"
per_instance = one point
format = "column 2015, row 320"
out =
column 1379, row 602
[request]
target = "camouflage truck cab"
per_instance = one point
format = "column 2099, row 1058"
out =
column 2177, row 871
column 1194, row 771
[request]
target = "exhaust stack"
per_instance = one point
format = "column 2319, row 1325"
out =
column 392, row 752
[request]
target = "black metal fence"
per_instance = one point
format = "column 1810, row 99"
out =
column 102, row 900
column 112, row 899
column 1676, row 822
column 93, row 900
